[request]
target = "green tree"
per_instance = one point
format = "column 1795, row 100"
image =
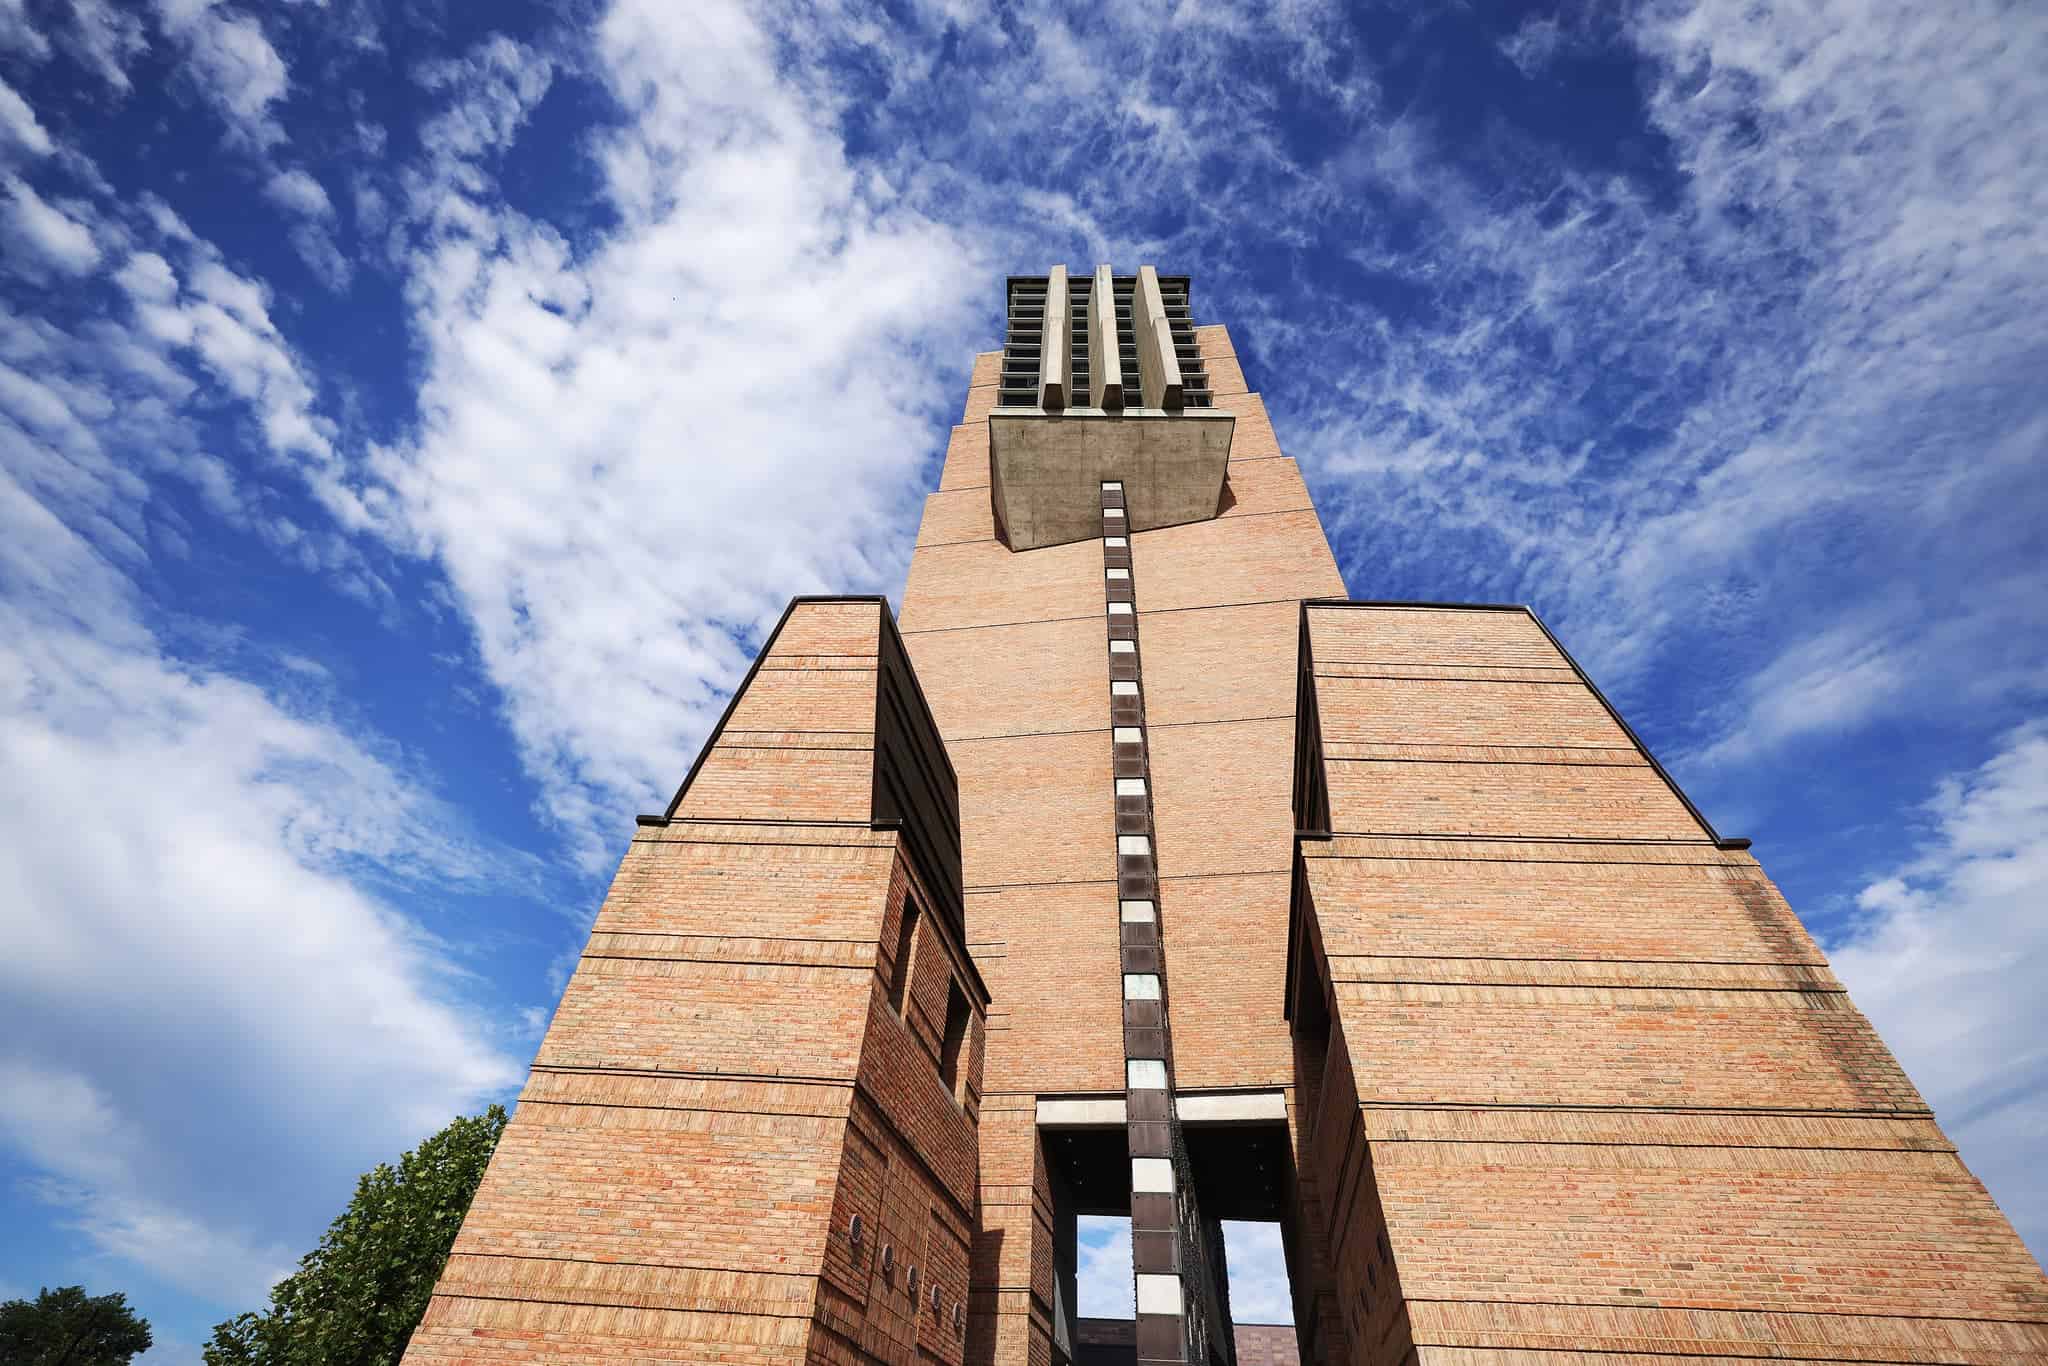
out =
column 355, row 1298
column 67, row 1327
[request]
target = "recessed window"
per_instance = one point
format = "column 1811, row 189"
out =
column 899, row 967
column 953, row 1050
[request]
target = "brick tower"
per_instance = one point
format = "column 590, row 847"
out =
column 1134, row 870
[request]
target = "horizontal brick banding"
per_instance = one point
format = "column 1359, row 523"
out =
column 744, row 1061
column 1590, row 1090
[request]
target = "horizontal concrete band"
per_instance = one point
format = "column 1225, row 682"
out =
column 1143, row 612
column 1220, row 1107
column 1517, row 836
column 1098, row 730
column 1612, row 1323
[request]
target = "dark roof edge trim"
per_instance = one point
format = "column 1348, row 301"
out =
column 732, row 703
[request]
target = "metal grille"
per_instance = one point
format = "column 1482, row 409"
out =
column 1202, row 1276
column 1021, row 343
column 1125, row 287
column 1194, row 376
column 1077, row 335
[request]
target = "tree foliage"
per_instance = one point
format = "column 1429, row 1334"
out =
column 67, row 1327
column 355, row 1298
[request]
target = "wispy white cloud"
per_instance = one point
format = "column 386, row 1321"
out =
column 1947, row 955
column 1104, row 1287
column 43, row 240
column 1531, row 46
column 233, row 66
column 194, row 853
column 232, row 955
column 19, row 34
column 1781, row 382
column 201, row 311
column 1257, row 1267
column 724, row 401
column 20, row 130
column 299, row 193
column 1258, row 1273
column 193, row 900
column 312, row 234
column 106, row 38
column 1721, row 399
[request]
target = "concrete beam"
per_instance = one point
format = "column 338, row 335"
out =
column 1158, row 361
column 1214, row 1107
column 1055, row 347
column 1105, row 353
column 1081, row 1112
column 1231, row 1107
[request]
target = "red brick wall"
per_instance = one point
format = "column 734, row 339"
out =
column 1589, row 1092
column 1266, row 1344
column 726, row 1082
column 1011, row 648
column 1589, row 1073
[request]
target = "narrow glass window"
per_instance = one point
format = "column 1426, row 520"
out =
column 899, row 967
column 952, row 1051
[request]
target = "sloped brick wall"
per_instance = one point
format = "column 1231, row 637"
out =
column 1593, row 1083
column 727, row 1082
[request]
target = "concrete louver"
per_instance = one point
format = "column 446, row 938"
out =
column 1098, row 385
column 1158, row 359
column 1055, row 356
column 1105, row 367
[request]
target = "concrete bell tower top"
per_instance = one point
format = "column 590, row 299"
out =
column 1102, row 379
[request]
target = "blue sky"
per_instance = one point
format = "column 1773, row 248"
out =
column 411, row 415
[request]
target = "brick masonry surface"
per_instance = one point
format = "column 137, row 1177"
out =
column 1579, row 1029
column 741, row 1068
column 1588, row 1090
column 1266, row 1344
column 1565, row 1079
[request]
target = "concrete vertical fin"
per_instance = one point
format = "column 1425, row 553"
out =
column 1105, row 344
column 1158, row 359
column 1055, row 354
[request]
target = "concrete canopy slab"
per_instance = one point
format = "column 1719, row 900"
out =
column 1046, row 470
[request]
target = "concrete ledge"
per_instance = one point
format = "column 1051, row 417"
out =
column 1215, row 1107
column 1081, row 1113
column 1046, row 469
column 1231, row 1107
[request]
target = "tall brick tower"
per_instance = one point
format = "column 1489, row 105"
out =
column 1137, row 871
